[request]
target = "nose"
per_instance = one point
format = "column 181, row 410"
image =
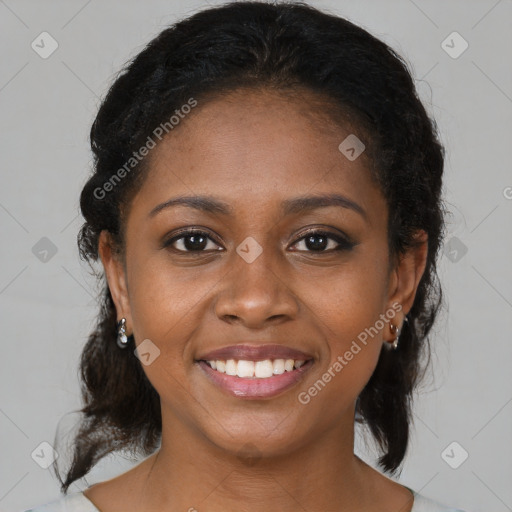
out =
column 256, row 294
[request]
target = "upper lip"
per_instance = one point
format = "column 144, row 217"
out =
column 255, row 353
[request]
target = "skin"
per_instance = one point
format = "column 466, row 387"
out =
column 253, row 150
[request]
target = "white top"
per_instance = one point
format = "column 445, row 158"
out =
column 78, row 502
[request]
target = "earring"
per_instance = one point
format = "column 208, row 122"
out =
column 122, row 339
column 394, row 330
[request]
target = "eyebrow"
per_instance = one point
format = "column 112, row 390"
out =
column 289, row 206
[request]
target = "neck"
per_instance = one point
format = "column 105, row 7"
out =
column 190, row 473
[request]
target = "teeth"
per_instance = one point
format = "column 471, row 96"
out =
column 263, row 369
column 278, row 366
column 245, row 369
column 288, row 365
column 255, row 369
column 231, row 367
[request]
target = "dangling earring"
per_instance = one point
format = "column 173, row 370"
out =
column 394, row 330
column 122, row 339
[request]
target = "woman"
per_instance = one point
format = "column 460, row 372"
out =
column 266, row 205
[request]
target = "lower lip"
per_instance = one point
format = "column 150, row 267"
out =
column 255, row 388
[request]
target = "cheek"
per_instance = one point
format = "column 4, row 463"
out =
column 165, row 309
column 345, row 317
column 347, row 309
column 348, row 301
column 166, row 304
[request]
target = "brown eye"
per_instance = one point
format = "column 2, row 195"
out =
column 322, row 241
column 191, row 241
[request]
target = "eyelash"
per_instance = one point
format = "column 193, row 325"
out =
column 343, row 244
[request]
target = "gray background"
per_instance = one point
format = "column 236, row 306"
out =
column 47, row 300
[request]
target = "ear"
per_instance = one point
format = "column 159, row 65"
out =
column 404, row 279
column 116, row 278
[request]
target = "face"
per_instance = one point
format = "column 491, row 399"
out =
column 263, row 277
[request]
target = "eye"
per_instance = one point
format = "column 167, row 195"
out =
column 195, row 240
column 192, row 240
column 319, row 241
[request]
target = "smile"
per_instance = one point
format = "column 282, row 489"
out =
column 255, row 369
column 255, row 379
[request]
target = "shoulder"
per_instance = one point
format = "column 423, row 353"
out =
column 72, row 502
column 424, row 504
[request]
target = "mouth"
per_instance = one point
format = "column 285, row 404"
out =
column 257, row 372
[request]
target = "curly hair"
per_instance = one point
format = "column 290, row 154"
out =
column 283, row 46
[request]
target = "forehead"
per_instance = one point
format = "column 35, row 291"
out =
column 261, row 145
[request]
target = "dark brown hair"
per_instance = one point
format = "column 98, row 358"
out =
column 281, row 46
